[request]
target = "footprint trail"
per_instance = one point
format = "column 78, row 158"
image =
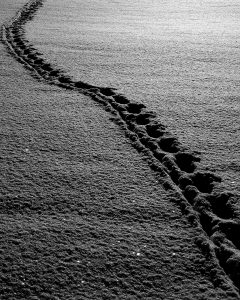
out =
column 174, row 165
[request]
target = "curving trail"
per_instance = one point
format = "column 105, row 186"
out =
column 174, row 165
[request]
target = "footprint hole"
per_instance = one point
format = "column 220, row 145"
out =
column 169, row 144
column 121, row 99
column 135, row 108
